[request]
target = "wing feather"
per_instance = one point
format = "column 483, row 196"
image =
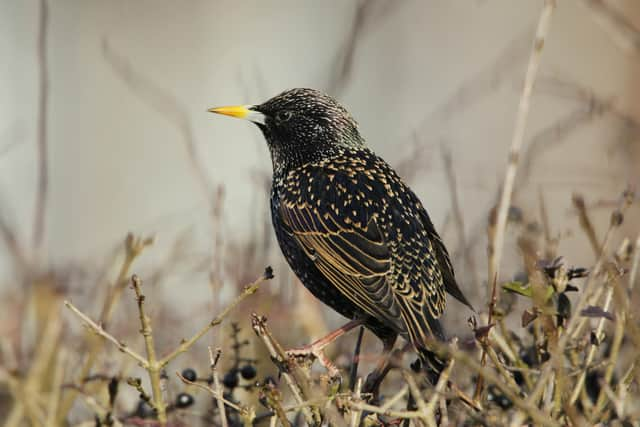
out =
column 387, row 266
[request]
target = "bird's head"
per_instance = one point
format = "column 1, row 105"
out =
column 300, row 125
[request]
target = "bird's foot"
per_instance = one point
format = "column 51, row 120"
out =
column 315, row 350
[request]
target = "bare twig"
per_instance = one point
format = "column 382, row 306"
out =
column 133, row 247
column 214, row 393
column 213, row 362
column 56, row 387
column 417, row 396
column 104, row 334
column 437, row 392
column 259, row 325
column 186, row 344
column 586, row 224
column 357, row 413
column 490, row 376
column 518, row 137
column 154, row 368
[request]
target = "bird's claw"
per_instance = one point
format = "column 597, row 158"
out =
column 311, row 353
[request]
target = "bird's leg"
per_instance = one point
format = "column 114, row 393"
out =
column 374, row 379
column 316, row 348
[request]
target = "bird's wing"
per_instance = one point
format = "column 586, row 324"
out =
column 354, row 259
column 448, row 275
column 343, row 229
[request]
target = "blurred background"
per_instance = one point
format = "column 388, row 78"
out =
column 104, row 131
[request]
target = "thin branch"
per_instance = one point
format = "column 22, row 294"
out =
column 417, row 396
column 357, row 414
column 56, row 387
column 460, row 356
column 259, row 325
column 133, row 247
column 213, row 362
column 214, row 393
column 497, row 243
column 186, row 344
column 586, row 223
column 106, row 335
column 154, row 368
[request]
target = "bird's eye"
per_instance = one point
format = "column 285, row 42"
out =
column 283, row 116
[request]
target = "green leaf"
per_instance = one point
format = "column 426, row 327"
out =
column 519, row 288
column 525, row 290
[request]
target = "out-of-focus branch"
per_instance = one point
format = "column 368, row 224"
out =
column 163, row 102
column 13, row 244
column 457, row 212
column 595, row 104
column 42, row 152
column 497, row 241
column 551, row 136
column 614, row 22
column 367, row 11
column 468, row 93
column 480, row 84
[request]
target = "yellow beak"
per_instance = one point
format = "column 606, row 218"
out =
column 240, row 112
column 237, row 111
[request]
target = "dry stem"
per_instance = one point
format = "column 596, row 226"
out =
column 497, row 242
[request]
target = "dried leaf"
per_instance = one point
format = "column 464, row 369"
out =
column 483, row 331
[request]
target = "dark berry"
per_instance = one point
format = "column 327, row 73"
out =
column 144, row 410
column 190, row 374
column 230, row 379
column 184, row 400
column 248, row 372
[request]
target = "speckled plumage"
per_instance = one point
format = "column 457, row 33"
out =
column 353, row 232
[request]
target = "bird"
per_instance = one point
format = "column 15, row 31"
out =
column 353, row 232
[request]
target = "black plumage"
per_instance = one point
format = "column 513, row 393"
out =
column 353, row 232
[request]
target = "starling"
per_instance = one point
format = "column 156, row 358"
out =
column 353, row 232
